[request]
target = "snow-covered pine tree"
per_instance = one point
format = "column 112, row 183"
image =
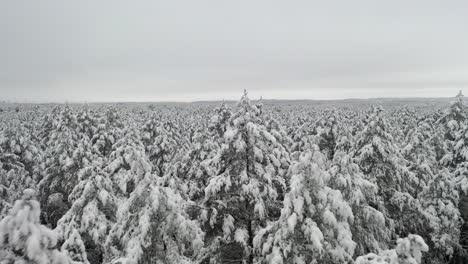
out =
column 15, row 139
column 409, row 250
column 439, row 202
column 92, row 212
column 31, row 122
column 153, row 227
column 149, row 129
column 114, row 118
column 381, row 162
column 162, row 142
column 104, row 137
column 281, row 135
column 219, row 121
column 439, row 144
column 454, row 124
column 191, row 170
column 59, row 141
column 23, row 239
column 314, row 222
column 74, row 248
column 66, row 156
column 458, row 147
column 165, row 147
column 48, row 125
column 304, row 137
column 368, row 228
column 14, row 178
column 404, row 119
column 127, row 164
column 244, row 192
column 102, row 129
column 327, row 133
column 61, row 175
column 87, row 121
column 454, row 117
column 421, row 155
column 459, row 177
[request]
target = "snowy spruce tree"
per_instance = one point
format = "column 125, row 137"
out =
column 162, row 142
column 153, row 227
column 456, row 158
column 452, row 124
column 60, row 167
column 219, row 121
column 314, row 225
column 92, row 213
column 20, row 159
column 16, row 139
column 421, row 155
column 86, row 121
column 14, row 178
column 281, row 135
column 67, row 156
column 409, row 250
column 114, row 118
column 127, row 164
column 382, row 164
column 458, row 148
column 327, row 133
column 24, row 240
column 439, row 202
column 368, row 228
column 303, row 138
column 104, row 136
column 191, row 170
column 248, row 181
column 74, row 247
column 454, row 118
column 48, row 125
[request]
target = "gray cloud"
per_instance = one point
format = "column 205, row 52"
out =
column 210, row 49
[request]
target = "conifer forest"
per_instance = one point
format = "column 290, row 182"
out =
column 253, row 181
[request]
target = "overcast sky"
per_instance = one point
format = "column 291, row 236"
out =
column 112, row 50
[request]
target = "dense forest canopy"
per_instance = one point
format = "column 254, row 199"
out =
column 357, row 181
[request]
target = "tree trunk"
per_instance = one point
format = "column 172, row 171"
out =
column 463, row 208
column 251, row 249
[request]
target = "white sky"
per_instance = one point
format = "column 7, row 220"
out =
column 113, row 50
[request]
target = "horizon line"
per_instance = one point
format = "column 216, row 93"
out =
column 7, row 101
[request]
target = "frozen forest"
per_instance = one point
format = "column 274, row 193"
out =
column 254, row 181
